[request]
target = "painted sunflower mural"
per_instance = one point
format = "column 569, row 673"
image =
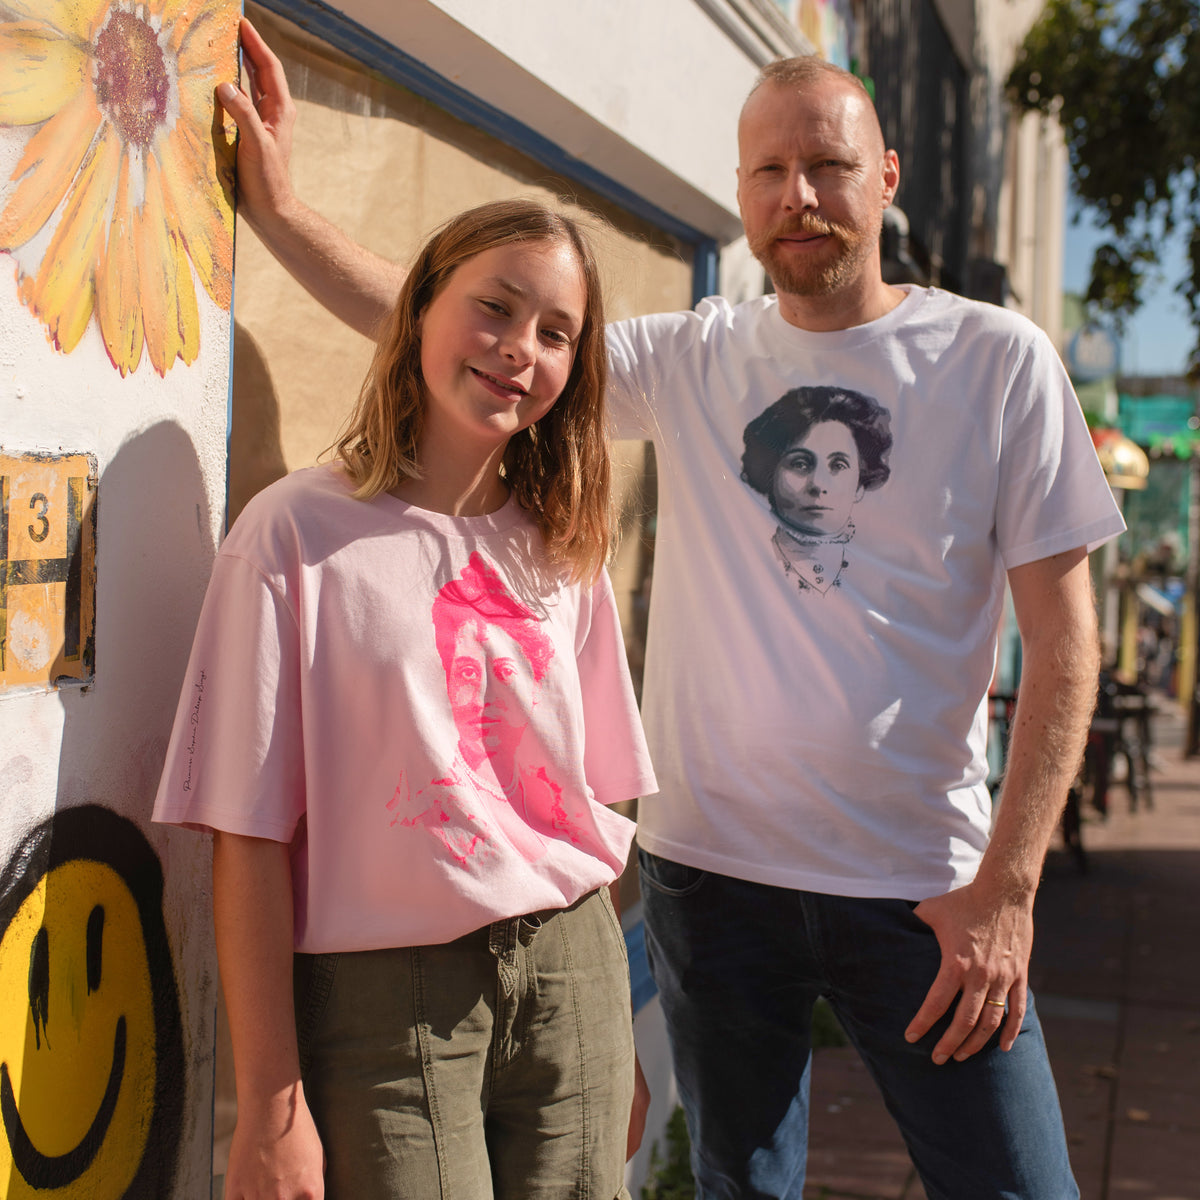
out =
column 126, row 187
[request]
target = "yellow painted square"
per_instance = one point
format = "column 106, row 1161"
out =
column 47, row 570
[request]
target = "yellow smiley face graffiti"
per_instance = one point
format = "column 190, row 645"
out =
column 90, row 1050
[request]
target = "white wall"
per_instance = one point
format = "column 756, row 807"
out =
column 647, row 93
column 159, row 450
column 1022, row 175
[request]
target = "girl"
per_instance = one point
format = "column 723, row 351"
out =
column 406, row 713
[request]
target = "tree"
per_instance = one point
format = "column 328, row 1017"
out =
column 1123, row 79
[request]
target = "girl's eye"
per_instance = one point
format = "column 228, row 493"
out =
column 557, row 336
column 493, row 306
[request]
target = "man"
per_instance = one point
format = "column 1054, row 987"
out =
column 823, row 826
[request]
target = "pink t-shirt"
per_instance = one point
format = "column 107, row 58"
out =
column 421, row 705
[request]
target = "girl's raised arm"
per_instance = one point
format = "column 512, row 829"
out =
column 356, row 285
column 276, row 1150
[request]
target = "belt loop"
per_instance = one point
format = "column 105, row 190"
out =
column 502, row 942
column 529, row 927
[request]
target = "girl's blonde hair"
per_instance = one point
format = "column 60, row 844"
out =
column 558, row 469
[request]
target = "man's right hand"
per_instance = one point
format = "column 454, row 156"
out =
column 265, row 118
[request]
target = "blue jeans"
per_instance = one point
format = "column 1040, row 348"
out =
column 739, row 966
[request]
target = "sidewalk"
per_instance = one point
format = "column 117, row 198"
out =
column 1116, row 974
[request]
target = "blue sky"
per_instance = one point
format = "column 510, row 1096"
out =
column 1158, row 337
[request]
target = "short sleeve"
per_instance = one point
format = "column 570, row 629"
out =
column 616, row 762
column 641, row 351
column 235, row 759
column 1053, row 495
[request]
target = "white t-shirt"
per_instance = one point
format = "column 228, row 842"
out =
column 817, row 667
column 419, row 704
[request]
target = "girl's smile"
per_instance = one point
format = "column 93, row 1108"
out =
column 501, row 385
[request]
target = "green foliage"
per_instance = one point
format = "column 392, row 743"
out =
column 671, row 1178
column 1123, row 79
column 825, row 1028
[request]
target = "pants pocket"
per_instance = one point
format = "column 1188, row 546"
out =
column 669, row 877
column 312, row 984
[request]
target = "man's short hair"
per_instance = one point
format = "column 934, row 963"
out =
column 803, row 70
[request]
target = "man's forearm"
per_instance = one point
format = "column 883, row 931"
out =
column 355, row 285
column 985, row 929
column 358, row 286
column 1060, row 666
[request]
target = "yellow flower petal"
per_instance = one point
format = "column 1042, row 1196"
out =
column 187, row 314
column 118, row 307
column 196, row 103
column 156, row 270
column 51, row 159
column 198, row 208
column 168, row 298
column 73, row 18
column 169, row 12
column 42, row 71
column 64, row 292
column 208, row 43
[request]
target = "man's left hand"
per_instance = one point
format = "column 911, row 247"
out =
column 985, row 963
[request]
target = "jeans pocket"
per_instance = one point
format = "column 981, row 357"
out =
column 668, row 877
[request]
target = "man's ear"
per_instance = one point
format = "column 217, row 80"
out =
column 891, row 176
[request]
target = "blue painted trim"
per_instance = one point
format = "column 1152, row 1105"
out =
column 641, row 983
column 705, row 270
column 229, row 390
column 334, row 27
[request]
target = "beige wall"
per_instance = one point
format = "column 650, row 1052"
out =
column 388, row 167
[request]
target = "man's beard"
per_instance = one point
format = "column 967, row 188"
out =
column 813, row 278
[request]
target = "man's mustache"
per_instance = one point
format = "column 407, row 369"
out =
column 807, row 224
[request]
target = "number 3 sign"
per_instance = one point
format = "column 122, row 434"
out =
column 47, row 570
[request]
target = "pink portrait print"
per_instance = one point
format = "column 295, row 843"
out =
column 495, row 655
